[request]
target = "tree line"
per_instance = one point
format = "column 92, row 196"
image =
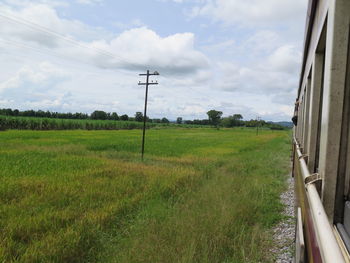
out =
column 96, row 115
column 236, row 120
column 47, row 120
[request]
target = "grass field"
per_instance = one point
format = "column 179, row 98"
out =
column 201, row 195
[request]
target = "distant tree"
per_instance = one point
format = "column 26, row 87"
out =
column 114, row 116
column 99, row 115
column 156, row 120
column 254, row 123
column 227, row 122
column 8, row 112
column 237, row 117
column 179, row 120
column 165, row 120
column 124, row 117
column 139, row 116
column 214, row 117
column 232, row 121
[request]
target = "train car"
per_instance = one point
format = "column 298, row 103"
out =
column 321, row 143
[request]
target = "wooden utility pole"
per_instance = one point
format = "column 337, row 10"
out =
column 257, row 125
column 147, row 83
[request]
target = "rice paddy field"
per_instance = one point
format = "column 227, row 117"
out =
column 200, row 195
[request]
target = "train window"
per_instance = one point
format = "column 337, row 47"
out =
column 317, row 101
column 306, row 124
column 343, row 184
column 301, row 119
column 344, row 161
column 342, row 206
column 342, row 198
column 314, row 164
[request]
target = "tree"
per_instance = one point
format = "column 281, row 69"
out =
column 227, row 122
column 179, row 120
column 214, row 117
column 165, row 120
column 238, row 117
column 124, row 117
column 156, row 120
column 99, row 115
column 232, row 121
column 139, row 116
column 114, row 116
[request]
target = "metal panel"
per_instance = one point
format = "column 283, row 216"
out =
column 306, row 117
column 332, row 107
column 312, row 246
column 347, row 217
column 317, row 221
column 344, row 235
column 321, row 11
column 315, row 99
column 300, row 243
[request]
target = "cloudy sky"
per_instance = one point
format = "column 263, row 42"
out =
column 82, row 55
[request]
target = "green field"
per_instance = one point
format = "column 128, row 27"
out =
column 201, row 195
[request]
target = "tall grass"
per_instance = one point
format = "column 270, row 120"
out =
column 200, row 196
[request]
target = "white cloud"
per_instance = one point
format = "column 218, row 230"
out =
column 258, row 79
column 249, row 72
column 140, row 47
column 132, row 24
column 89, row 2
column 35, row 87
column 285, row 59
column 44, row 74
column 40, row 24
column 253, row 12
column 136, row 48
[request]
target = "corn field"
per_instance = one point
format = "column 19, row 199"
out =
column 32, row 123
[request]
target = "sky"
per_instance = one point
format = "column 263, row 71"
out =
column 239, row 57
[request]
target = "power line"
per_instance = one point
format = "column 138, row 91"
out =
column 85, row 68
column 70, row 40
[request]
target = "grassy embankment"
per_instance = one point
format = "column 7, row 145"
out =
column 201, row 195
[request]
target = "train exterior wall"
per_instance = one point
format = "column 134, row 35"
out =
column 322, row 134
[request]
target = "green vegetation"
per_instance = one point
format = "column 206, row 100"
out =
column 33, row 123
column 47, row 120
column 202, row 195
column 214, row 117
column 39, row 123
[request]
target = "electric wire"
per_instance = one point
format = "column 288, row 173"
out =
column 70, row 40
column 59, row 56
column 50, row 52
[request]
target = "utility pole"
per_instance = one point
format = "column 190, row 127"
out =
column 257, row 125
column 147, row 83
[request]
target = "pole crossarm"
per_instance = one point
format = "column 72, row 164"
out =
column 150, row 74
column 151, row 83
